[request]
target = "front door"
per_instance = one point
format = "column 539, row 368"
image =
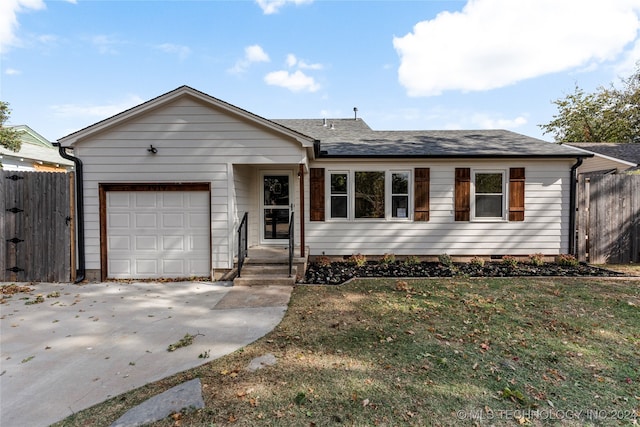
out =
column 276, row 207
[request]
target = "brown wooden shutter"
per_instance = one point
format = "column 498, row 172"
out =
column 316, row 210
column 462, row 194
column 421, row 194
column 516, row 194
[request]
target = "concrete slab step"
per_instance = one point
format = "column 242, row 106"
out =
column 262, row 269
column 265, row 280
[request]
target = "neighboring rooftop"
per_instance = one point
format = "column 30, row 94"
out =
column 629, row 152
column 354, row 138
column 34, row 148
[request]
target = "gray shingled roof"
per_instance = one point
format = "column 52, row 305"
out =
column 629, row 152
column 354, row 138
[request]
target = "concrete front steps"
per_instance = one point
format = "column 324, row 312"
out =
column 270, row 267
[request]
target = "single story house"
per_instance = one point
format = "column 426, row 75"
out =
column 36, row 154
column 166, row 185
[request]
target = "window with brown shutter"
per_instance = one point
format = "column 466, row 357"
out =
column 421, row 194
column 316, row 177
column 516, row 194
column 462, row 194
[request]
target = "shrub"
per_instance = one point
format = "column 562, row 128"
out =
column 536, row 259
column 445, row 260
column 323, row 260
column 477, row 261
column 388, row 258
column 566, row 260
column 411, row 260
column 509, row 261
column 358, row 260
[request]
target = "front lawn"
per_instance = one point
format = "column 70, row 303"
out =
column 389, row 352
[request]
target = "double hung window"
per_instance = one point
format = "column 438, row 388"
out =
column 489, row 194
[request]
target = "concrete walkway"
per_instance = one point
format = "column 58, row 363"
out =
column 86, row 343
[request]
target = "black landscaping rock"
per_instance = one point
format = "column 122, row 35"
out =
column 339, row 272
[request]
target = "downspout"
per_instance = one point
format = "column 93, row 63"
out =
column 572, row 206
column 80, row 270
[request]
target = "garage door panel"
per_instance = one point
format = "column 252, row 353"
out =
column 146, row 220
column 122, row 220
column 153, row 234
column 121, row 265
column 119, row 243
column 146, row 243
column 173, row 199
column 173, row 243
column 173, row 220
column 146, row 267
column 145, row 199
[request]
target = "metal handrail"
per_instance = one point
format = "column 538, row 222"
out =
column 291, row 244
column 242, row 241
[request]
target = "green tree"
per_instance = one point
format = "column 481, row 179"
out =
column 610, row 114
column 8, row 136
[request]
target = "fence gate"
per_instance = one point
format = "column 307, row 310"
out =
column 35, row 226
column 608, row 219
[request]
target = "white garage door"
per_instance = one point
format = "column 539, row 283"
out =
column 153, row 234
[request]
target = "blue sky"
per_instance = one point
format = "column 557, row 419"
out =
column 405, row 65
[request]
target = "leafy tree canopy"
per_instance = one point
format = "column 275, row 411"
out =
column 610, row 114
column 8, row 136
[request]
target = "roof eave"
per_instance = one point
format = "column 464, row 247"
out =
column 461, row 156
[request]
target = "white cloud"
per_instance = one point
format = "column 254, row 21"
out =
column 486, row 121
column 295, row 82
column 273, row 6
column 96, row 111
column 182, row 51
column 293, row 61
column 496, row 43
column 12, row 72
column 252, row 54
column 9, row 10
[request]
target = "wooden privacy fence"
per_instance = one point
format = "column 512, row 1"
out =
column 36, row 226
column 608, row 219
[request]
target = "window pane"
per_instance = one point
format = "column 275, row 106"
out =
column 400, row 183
column 489, row 183
column 489, row 206
column 369, row 188
column 338, row 183
column 338, row 207
column 399, row 206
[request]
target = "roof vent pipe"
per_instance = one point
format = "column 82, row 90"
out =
column 324, row 122
column 332, row 127
column 355, row 113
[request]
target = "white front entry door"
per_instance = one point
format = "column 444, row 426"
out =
column 276, row 204
column 153, row 234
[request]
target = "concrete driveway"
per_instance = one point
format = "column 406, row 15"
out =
column 86, row 343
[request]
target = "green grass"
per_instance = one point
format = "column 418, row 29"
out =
column 428, row 352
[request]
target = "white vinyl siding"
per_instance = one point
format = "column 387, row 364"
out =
column 195, row 143
column 544, row 230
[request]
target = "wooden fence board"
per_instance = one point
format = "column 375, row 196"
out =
column 608, row 219
column 44, row 254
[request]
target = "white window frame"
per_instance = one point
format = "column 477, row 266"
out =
column 330, row 195
column 505, row 195
column 388, row 196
